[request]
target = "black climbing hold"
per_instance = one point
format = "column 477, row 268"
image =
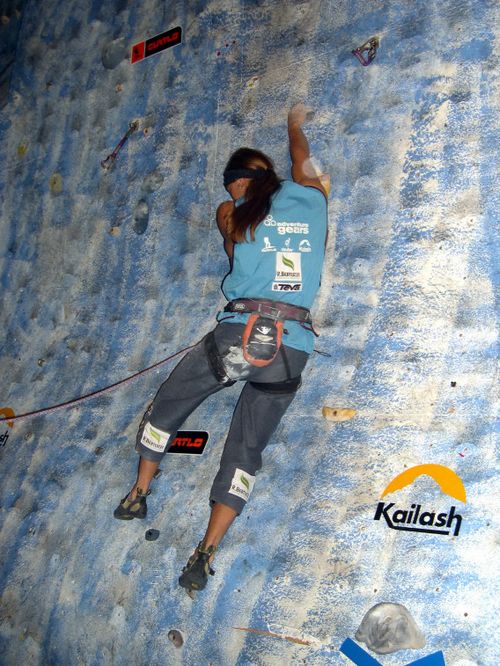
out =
column 453, row 384
column 176, row 638
column 152, row 535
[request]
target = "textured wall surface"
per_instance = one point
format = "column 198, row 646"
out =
column 103, row 273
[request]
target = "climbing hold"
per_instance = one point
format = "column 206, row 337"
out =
column 110, row 159
column 152, row 182
column 324, row 179
column 22, row 149
column 141, row 217
column 453, row 384
column 56, row 184
column 253, row 82
column 98, row 450
column 113, row 53
column 370, row 48
column 114, row 231
column 388, row 627
column 152, row 535
column 41, row 362
column 338, row 413
column 7, row 413
column 176, row 638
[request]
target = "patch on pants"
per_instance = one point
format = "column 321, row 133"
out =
column 154, row 439
column 242, row 484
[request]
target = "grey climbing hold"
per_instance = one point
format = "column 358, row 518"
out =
column 114, row 53
column 176, row 638
column 388, row 627
column 152, row 182
column 141, row 217
column 152, row 535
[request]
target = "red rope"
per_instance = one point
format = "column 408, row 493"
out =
column 75, row 401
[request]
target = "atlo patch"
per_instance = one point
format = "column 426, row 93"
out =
column 242, row 484
column 189, row 442
column 154, row 439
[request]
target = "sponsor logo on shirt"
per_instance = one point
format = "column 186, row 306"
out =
column 305, row 246
column 268, row 247
column 287, row 286
column 286, row 227
column 288, row 267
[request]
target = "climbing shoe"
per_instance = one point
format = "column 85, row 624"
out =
column 195, row 574
column 132, row 508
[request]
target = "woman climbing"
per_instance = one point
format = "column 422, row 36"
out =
column 274, row 235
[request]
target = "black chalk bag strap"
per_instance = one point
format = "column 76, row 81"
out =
column 270, row 309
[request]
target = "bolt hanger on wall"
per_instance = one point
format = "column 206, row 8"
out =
column 110, row 159
column 370, row 48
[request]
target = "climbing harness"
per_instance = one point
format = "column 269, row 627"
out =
column 264, row 329
column 370, row 48
column 110, row 159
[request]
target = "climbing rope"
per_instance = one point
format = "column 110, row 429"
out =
column 94, row 394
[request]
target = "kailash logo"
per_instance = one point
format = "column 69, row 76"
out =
column 416, row 518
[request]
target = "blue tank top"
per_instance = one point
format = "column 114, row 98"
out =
column 284, row 261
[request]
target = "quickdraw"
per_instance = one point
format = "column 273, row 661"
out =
column 110, row 159
column 370, row 48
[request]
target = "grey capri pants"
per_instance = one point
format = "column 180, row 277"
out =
column 265, row 397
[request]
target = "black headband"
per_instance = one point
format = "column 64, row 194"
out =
column 230, row 175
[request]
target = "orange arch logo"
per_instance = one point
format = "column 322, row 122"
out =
column 7, row 413
column 447, row 480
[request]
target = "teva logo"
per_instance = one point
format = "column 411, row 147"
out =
column 416, row 520
column 287, row 286
column 190, row 442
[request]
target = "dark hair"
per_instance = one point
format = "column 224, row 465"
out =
column 250, row 213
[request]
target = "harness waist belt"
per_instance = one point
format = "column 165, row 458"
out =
column 272, row 309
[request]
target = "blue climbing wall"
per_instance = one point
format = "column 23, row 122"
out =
column 105, row 272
